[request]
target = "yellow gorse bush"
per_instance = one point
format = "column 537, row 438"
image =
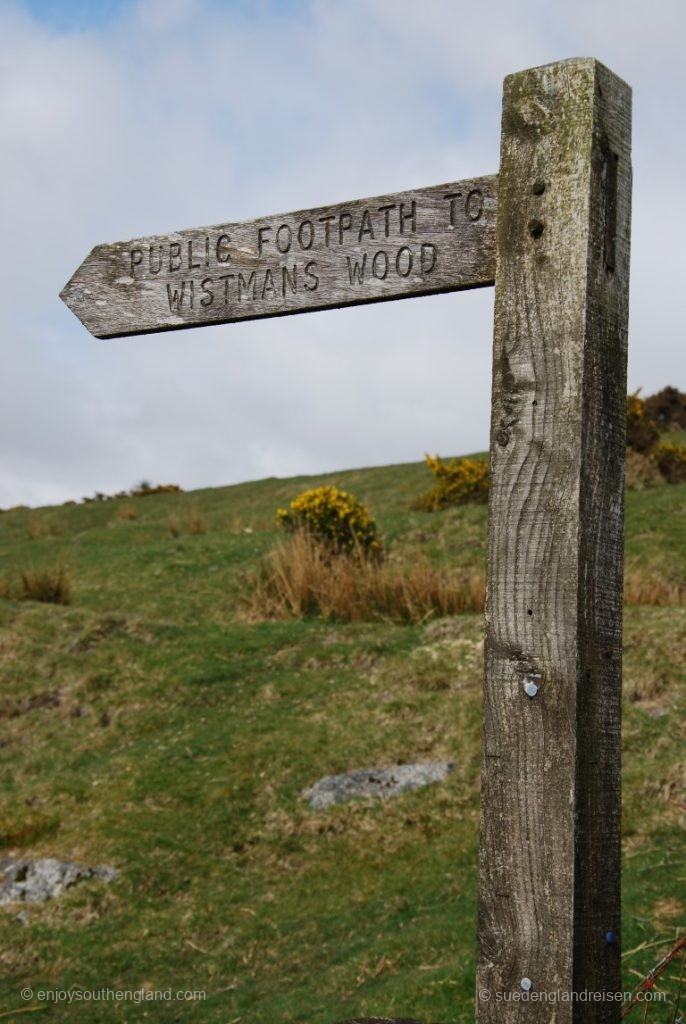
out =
column 642, row 432
column 671, row 461
column 335, row 518
column 457, row 482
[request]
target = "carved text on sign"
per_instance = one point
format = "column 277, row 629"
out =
column 414, row 243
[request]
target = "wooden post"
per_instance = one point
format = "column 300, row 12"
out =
column 549, row 910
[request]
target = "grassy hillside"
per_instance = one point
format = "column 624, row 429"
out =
column 148, row 725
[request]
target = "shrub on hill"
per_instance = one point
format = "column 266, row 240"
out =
column 671, row 462
column 667, row 408
column 648, row 460
column 142, row 490
column 642, row 432
column 457, row 482
column 335, row 519
column 145, row 489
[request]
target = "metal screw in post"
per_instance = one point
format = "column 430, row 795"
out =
column 531, row 686
column 526, row 984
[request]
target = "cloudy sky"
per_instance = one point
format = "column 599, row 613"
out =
column 124, row 118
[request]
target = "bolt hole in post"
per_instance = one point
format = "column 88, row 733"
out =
column 536, row 228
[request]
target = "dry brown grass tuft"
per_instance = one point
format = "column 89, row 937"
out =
column 647, row 687
column 124, row 513
column 51, row 584
column 301, row 578
column 641, row 471
column 173, row 525
column 196, row 520
column 653, row 590
column 42, row 526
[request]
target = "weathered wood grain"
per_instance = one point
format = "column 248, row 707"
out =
column 428, row 240
column 550, row 803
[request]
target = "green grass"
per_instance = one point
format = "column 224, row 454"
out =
column 675, row 436
column 147, row 726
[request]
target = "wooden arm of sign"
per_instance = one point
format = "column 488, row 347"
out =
column 429, row 240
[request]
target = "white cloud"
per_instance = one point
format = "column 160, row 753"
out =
column 191, row 112
column 160, row 15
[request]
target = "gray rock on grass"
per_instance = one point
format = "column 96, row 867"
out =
column 45, row 878
column 375, row 782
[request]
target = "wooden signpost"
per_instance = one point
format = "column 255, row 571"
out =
column 552, row 232
column 414, row 243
